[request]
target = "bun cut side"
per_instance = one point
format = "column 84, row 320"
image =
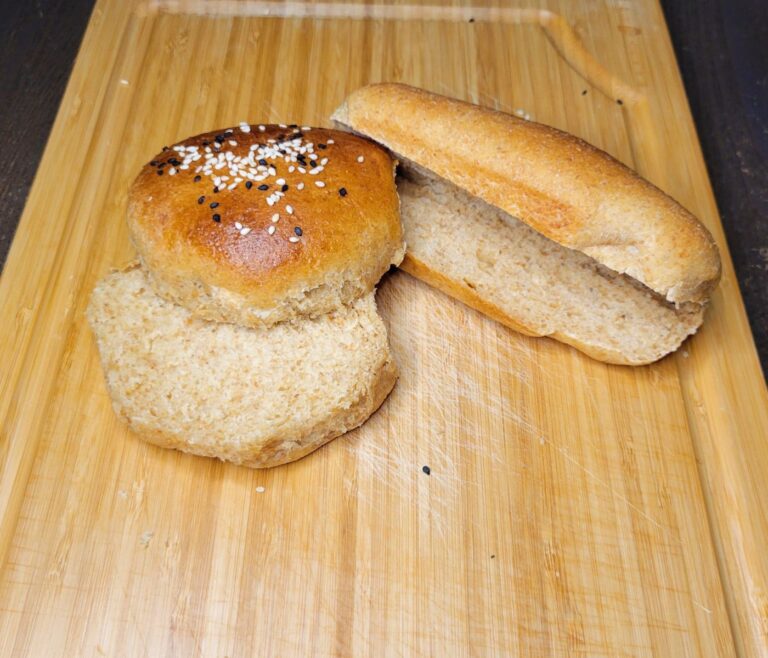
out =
column 537, row 228
column 256, row 397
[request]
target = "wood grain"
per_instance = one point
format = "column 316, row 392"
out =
column 572, row 507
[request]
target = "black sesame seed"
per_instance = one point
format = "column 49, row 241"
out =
column 153, row 163
column 263, row 187
column 215, row 190
column 220, row 138
column 248, row 185
column 284, row 188
column 201, row 200
column 297, row 230
column 343, row 191
column 174, row 162
column 263, row 162
column 293, row 125
column 197, row 178
column 215, row 204
column 301, row 158
column 283, row 151
column 322, row 146
column 159, row 172
column 313, row 163
column 165, row 148
column 217, row 218
column 206, row 142
column 426, row 469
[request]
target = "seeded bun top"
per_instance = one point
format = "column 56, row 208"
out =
column 266, row 223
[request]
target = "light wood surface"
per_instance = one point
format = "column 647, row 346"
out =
column 573, row 508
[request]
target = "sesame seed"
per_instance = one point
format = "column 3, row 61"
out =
column 248, row 185
column 280, row 181
column 217, row 218
column 245, row 127
column 263, row 162
column 330, row 141
column 343, row 191
column 238, row 225
column 360, row 158
column 289, row 210
column 297, row 230
column 306, row 127
column 215, row 204
column 284, row 188
column 319, row 183
column 245, row 231
column 261, row 128
column 293, row 238
column 282, row 125
column 275, row 217
column 263, row 187
column 271, row 230
column 232, row 142
column 291, row 169
column 232, row 186
column 300, row 186
column 201, row 200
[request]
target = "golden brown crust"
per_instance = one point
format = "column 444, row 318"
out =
column 234, row 269
column 568, row 190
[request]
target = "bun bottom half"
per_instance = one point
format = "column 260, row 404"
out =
column 254, row 397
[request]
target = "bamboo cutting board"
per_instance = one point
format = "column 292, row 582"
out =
column 573, row 508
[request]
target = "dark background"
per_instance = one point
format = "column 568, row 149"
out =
column 722, row 50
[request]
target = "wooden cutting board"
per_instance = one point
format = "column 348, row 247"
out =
column 573, row 508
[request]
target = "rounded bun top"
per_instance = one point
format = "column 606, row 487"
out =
column 259, row 224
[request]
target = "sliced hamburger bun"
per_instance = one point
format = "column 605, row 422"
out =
column 537, row 228
column 256, row 225
column 256, row 397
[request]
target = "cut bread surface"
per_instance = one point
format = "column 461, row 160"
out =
column 257, row 397
column 501, row 266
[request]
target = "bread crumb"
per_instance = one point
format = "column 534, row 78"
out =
column 146, row 537
column 259, row 489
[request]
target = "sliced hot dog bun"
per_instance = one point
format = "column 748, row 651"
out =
column 256, row 397
column 639, row 267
